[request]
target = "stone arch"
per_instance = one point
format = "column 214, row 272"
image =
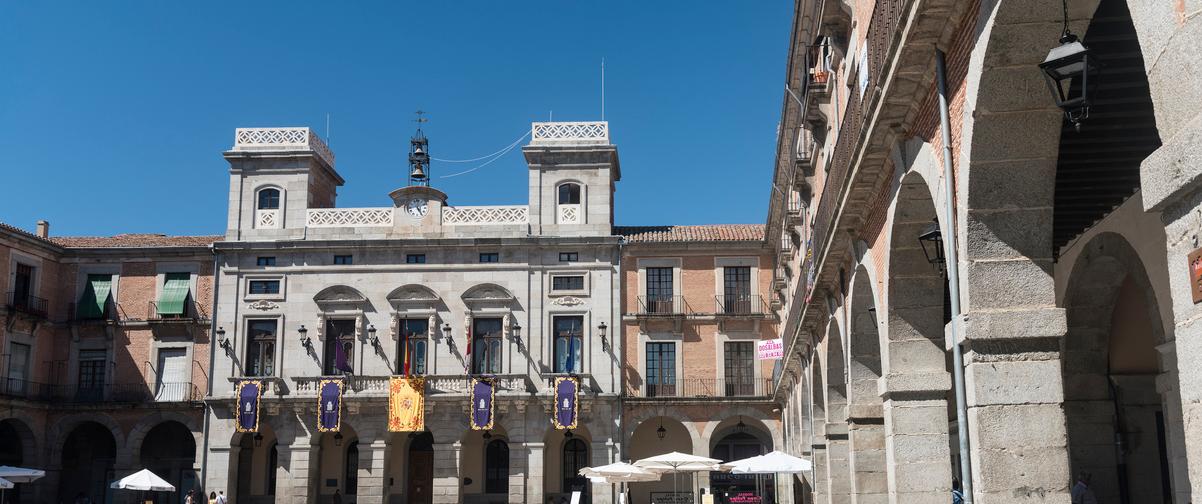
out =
column 86, row 456
column 25, row 450
column 413, row 293
column 147, row 423
column 679, row 436
column 1111, row 374
column 488, row 292
column 63, row 427
column 339, row 294
column 866, row 422
column 768, row 423
column 644, row 415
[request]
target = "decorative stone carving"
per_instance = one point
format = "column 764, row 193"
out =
column 263, row 305
column 568, row 301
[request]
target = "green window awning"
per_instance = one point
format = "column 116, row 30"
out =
column 95, row 296
column 174, row 294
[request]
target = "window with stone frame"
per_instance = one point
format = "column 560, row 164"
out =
column 569, row 341
column 661, row 368
column 486, row 345
column 339, row 347
column 739, row 368
column 260, row 347
column 412, row 342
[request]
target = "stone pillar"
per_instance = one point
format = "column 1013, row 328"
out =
column 447, row 484
column 519, row 468
column 371, row 472
column 838, row 470
column 1014, row 388
column 1166, row 385
column 821, row 496
column 917, row 446
column 866, row 440
column 294, row 476
column 535, row 454
column 602, row 453
column 218, row 471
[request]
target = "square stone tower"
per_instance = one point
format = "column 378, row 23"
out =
column 573, row 168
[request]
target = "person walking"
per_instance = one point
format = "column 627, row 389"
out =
column 337, row 496
column 957, row 493
column 190, row 499
column 212, row 497
column 1082, row 493
column 221, row 497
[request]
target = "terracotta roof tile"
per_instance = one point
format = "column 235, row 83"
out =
column 134, row 240
column 703, row 233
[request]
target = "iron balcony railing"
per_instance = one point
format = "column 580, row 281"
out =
column 106, row 393
column 741, row 305
column 27, row 303
column 192, row 312
column 684, row 388
column 111, row 313
column 662, row 306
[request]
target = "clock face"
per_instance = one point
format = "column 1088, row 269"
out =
column 417, row 207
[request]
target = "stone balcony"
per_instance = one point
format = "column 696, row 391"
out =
column 282, row 139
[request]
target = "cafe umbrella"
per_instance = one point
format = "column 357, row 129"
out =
column 677, row 462
column 11, row 475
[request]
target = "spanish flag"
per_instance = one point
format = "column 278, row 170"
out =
column 406, row 404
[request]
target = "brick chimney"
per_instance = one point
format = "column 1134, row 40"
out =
column 43, row 230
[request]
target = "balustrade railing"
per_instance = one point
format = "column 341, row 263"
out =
column 268, row 139
column 594, row 132
column 268, row 219
column 192, row 311
column 661, row 306
column 99, row 393
column 27, row 303
column 357, row 385
column 486, row 215
column 348, row 217
column 684, row 388
column 749, row 305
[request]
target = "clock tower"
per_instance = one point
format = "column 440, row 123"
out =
column 418, row 204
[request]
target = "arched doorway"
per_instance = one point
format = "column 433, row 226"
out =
column 419, row 477
column 496, row 467
column 1115, row 416
column 916, row 364
column 254, row 466
column 87, row 464
column 484, row 466
column 865, row 412
column 655, row 436
column 338, row 465
column 737, row 439
column 169, row 451
column 565, row 453
column 13, row 438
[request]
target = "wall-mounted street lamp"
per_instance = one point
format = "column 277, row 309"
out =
column 487, row 435
column 931, row 240
column 305, row 340
column 371, row 336
column 740, row 427
column 515, row 333
column 567, row 434
column 661, row 432
column 446, row 334
column 258, row 439
column 1071, row 61
column 222, row 342
column 601, row 330
column 338, row 438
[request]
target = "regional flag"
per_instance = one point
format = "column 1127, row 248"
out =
column 406, row 404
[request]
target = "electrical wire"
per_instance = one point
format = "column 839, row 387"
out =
column 499, row 152
column 497, row 155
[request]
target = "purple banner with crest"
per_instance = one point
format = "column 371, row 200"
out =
column 566, row 404
column 482, row 403
column 329, row 405
column 248, row 392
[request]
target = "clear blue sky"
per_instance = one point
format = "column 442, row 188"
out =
column 113, row 115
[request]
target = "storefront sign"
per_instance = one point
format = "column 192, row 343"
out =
column 671, row 498
column 1195, row 275
column 329, row 405
column 772, row 349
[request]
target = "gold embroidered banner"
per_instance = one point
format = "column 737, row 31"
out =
column 406, row 404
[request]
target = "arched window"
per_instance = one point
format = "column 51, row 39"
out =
column 496, row 467
column 269, row 199
column 352, row 468
column 569, row 194
column 575, row 458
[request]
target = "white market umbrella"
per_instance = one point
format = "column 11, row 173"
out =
column 20, row 474
column 769, row 463
column 5, row 484
column 618, row 472
column 676, row 462
column 143, row 480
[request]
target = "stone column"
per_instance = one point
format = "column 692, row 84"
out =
column 371, row 472
column 602, row 454
column 917, row 446
column 218, row 471
column 535, row 454
column 1014, row 388
column 447, row 483
column 1166, row 385
column 293, row 482
column 821, row 496
column 838, row 470
column 866, row 441
column 519, row 468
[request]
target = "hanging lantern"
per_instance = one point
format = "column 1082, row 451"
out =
column 1070, row 71
column 931, row 240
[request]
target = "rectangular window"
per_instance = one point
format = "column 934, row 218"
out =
column 265, row 261
column 411, row 347
column 739, row 366
column 567, row 283
column 486, row 346
column 91, row 375
column 736, row 289
column 343, row 259
column 490, row 257
column 22, row 285
column 18, row 370
column 264, row 286
column 93, row 304
column 661, row 369
column 260, row 347
column 569, row 256
column 339, row 347
column 659, row 290
column 173, row 300
column 415, row 259
column 569, row 344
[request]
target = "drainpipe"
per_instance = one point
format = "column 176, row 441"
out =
column 953, row 279
column 204, row 456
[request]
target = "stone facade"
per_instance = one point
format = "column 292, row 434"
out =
column 1073, row 338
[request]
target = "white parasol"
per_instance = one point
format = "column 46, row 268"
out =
column 143, row 480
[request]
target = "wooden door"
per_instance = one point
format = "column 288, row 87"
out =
column 421, row 477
